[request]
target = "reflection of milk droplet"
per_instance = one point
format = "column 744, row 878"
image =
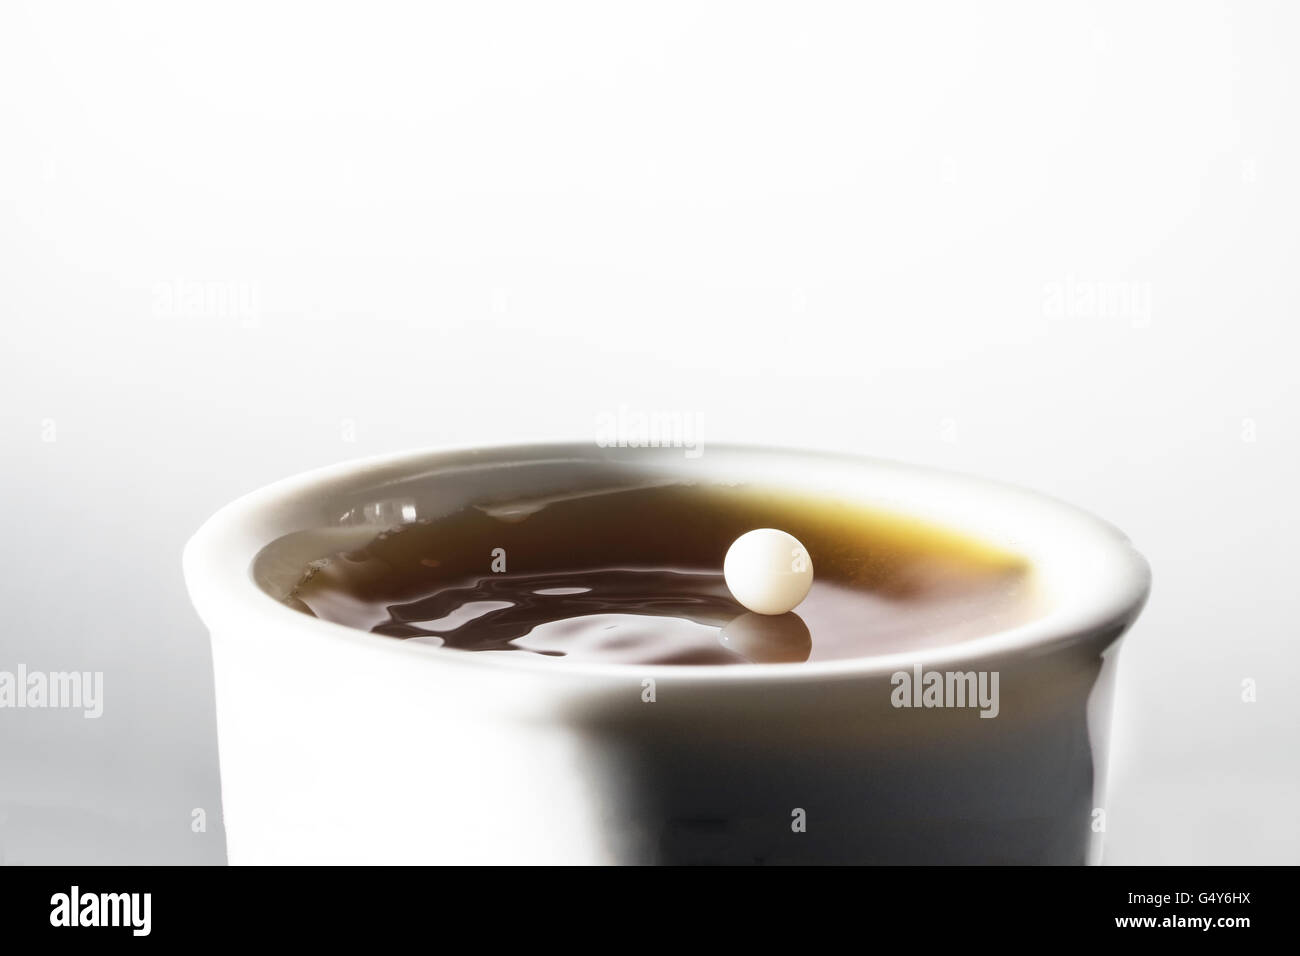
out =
column 768, row 638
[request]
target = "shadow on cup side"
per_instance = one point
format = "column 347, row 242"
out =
column 833, row 772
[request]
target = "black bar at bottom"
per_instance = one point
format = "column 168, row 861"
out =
column 235, row 904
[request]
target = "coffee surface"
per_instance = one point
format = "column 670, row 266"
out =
column 634, row 575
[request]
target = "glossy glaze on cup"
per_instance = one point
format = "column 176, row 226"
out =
column 338, row 745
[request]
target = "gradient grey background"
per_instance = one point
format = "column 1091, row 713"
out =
column 884, row 229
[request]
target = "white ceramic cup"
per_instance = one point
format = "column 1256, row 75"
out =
column 342, row 746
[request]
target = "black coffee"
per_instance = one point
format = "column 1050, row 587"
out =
column 634, row 575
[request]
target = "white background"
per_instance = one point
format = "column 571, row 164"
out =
column 885, row 228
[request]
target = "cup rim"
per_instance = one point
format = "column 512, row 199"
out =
column 218, row 560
